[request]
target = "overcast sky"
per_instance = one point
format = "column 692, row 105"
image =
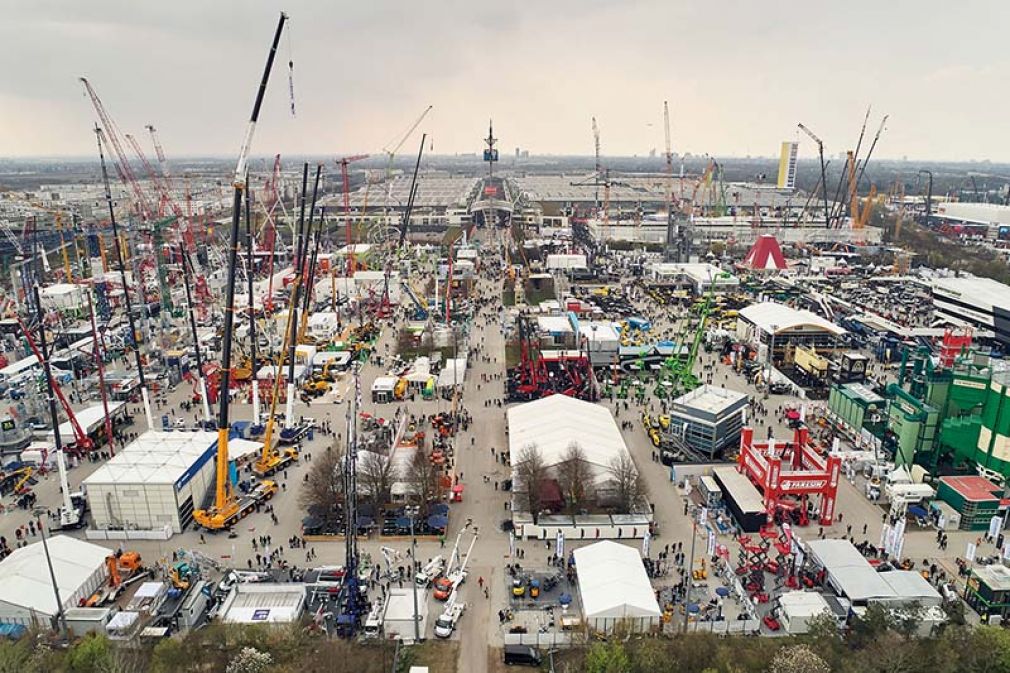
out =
column 738, row 74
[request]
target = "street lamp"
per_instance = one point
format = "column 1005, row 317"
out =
column 771, row 357
column 38, row 512
column 411, row 513
column 689, row 575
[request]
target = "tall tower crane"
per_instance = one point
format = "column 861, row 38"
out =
column 162, row 162
column 824, row 180
column 873, row 145
column 393, row 146
column 598, row 166
column 347, row 206
column 390, row 149
column 596, row 145
column 166, row 202
column 169, row 187
column 672, row 228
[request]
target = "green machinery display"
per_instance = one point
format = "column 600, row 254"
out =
column 983, row 438
column 931, row 416
column 937, row 400
column 677, row 373
column 859, row 409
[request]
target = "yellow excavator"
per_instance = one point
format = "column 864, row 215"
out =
column 316, row 387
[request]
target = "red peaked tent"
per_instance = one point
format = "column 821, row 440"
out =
column 765, row 255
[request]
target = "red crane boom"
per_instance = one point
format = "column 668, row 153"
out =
column 83, row 443
column 123, row 164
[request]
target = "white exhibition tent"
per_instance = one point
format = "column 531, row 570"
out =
column 614, row 588
column 239, row 448
column 552, row 423
column 26, row 589
column 772, row 317
column 452, row 373
column 849, row 572
column 89, row 419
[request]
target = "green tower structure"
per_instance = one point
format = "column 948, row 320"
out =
column 984, row 439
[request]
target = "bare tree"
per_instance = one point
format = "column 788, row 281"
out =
column 375, row 475
column 629, row 488
column 529, row 475
column 574, row 476
column 325, row 487
column 422, row 475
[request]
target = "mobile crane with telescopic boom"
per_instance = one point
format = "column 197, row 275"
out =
column 272, row 459
column 227, row 509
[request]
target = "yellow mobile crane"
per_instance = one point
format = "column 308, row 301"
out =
column 272, row 460
column 227, row 509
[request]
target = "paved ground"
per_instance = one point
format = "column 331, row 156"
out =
column 482, row 503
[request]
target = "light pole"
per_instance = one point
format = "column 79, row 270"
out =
column 455, row 382
column 412, row 514
column 771, row 357
column 38, row 512
column 689, row 576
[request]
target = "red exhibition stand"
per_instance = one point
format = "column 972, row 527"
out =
column 787, row 472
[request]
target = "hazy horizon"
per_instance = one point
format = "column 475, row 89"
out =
column 738, row 76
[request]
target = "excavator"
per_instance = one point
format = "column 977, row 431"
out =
column 316, row 387
column 19, row 478
column 124, row 568
column 181, row 575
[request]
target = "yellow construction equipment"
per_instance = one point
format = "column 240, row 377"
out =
column 227, row 508
column 101, row 253
column 318, row 386
column 813, row 364
column 243, row 371
column 271, row 459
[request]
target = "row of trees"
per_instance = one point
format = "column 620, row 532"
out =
column 227, row 648
column 625, row 489
column 877, row 643
column 376, row 476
